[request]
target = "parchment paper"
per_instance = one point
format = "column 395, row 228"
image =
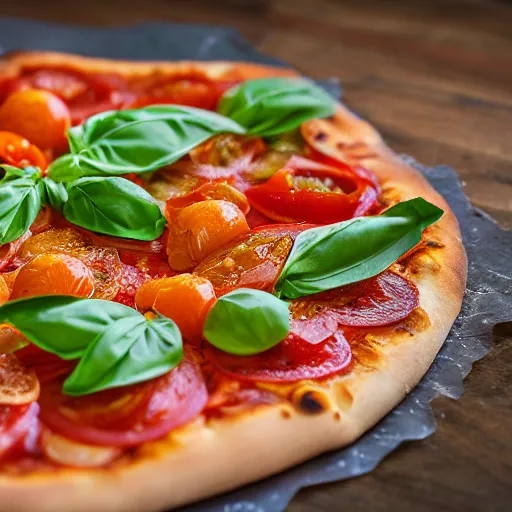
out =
column 488, row 299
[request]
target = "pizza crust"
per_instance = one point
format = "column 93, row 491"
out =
column 204, row 459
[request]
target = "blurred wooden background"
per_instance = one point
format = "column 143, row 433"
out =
column 435, row 77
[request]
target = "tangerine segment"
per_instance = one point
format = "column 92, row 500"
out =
column 201, row 228
column 53, row 274
column 186, row 299
column 38, row 115
column 103, row 262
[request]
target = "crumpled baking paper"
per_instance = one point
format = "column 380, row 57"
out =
column 488, row 299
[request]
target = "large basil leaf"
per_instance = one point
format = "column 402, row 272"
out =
column 246, row 322
column 132, row 350
column 63, row 325
column 20, row 202
column 326, row 257
column 142, row 140
column 114, row 206
column 270, row 106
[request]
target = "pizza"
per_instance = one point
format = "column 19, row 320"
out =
column 209, row 272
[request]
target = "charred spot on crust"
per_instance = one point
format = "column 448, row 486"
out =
column 309, row 401
column 337, row 416
column 285, row 414
column 321, row 136
column 434, row 243
column 340, row 145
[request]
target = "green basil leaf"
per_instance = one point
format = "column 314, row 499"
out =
column 12, row 173
column 20, row 202
column 246, row 322
column 55, row 194
column 114, row 206
column 61, row 324
column 132, row 350
column 326, row 257
column 142, row 140
column 269, row 106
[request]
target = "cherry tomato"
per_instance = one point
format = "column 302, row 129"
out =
column 5, row 292
column 15, row 423
column 310, row 192
column 103, row 262
column 201, row 228
column 38, row 115
column 292, row 360
column 251, row 261
column 378, row 301
column 53, row 274
column 17, row 151
column 185, row 298
column 129, row 415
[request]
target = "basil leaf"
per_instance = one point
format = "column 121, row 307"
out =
column 142, row 140
column 132, row 350
column 269, row 106
column 20, row 202
column 346, row 252
column 12, row 173
column 114, row 206
column 55, row 194
column 61, row 324
column 246, row 322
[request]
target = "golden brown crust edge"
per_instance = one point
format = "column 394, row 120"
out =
column 202, row 460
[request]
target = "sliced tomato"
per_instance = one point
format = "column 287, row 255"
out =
column 15, row 423
column 230, row 403
column 17, row 151
column 252, row 261
column 306, row 191
column 378, row 301
column 130, row 415
column 362, row 172
column 292, row 360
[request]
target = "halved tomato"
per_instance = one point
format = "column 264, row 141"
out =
column 130, row 415
column 251, row 261
column 17, row 151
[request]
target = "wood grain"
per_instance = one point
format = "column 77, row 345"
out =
column 436, row 79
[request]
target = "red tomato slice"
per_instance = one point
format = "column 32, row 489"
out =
column 375, row 302
column 129, row 415
column 253, row 261
column 292, row 360
column 15, row 423
column 307, row 191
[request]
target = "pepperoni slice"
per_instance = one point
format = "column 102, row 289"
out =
column 130, row 415
column 292, row 360
column 375, row 302
column 15, row 423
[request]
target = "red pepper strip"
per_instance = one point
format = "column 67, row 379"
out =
column 292, row 194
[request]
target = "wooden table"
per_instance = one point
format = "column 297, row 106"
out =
column 435, row 77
